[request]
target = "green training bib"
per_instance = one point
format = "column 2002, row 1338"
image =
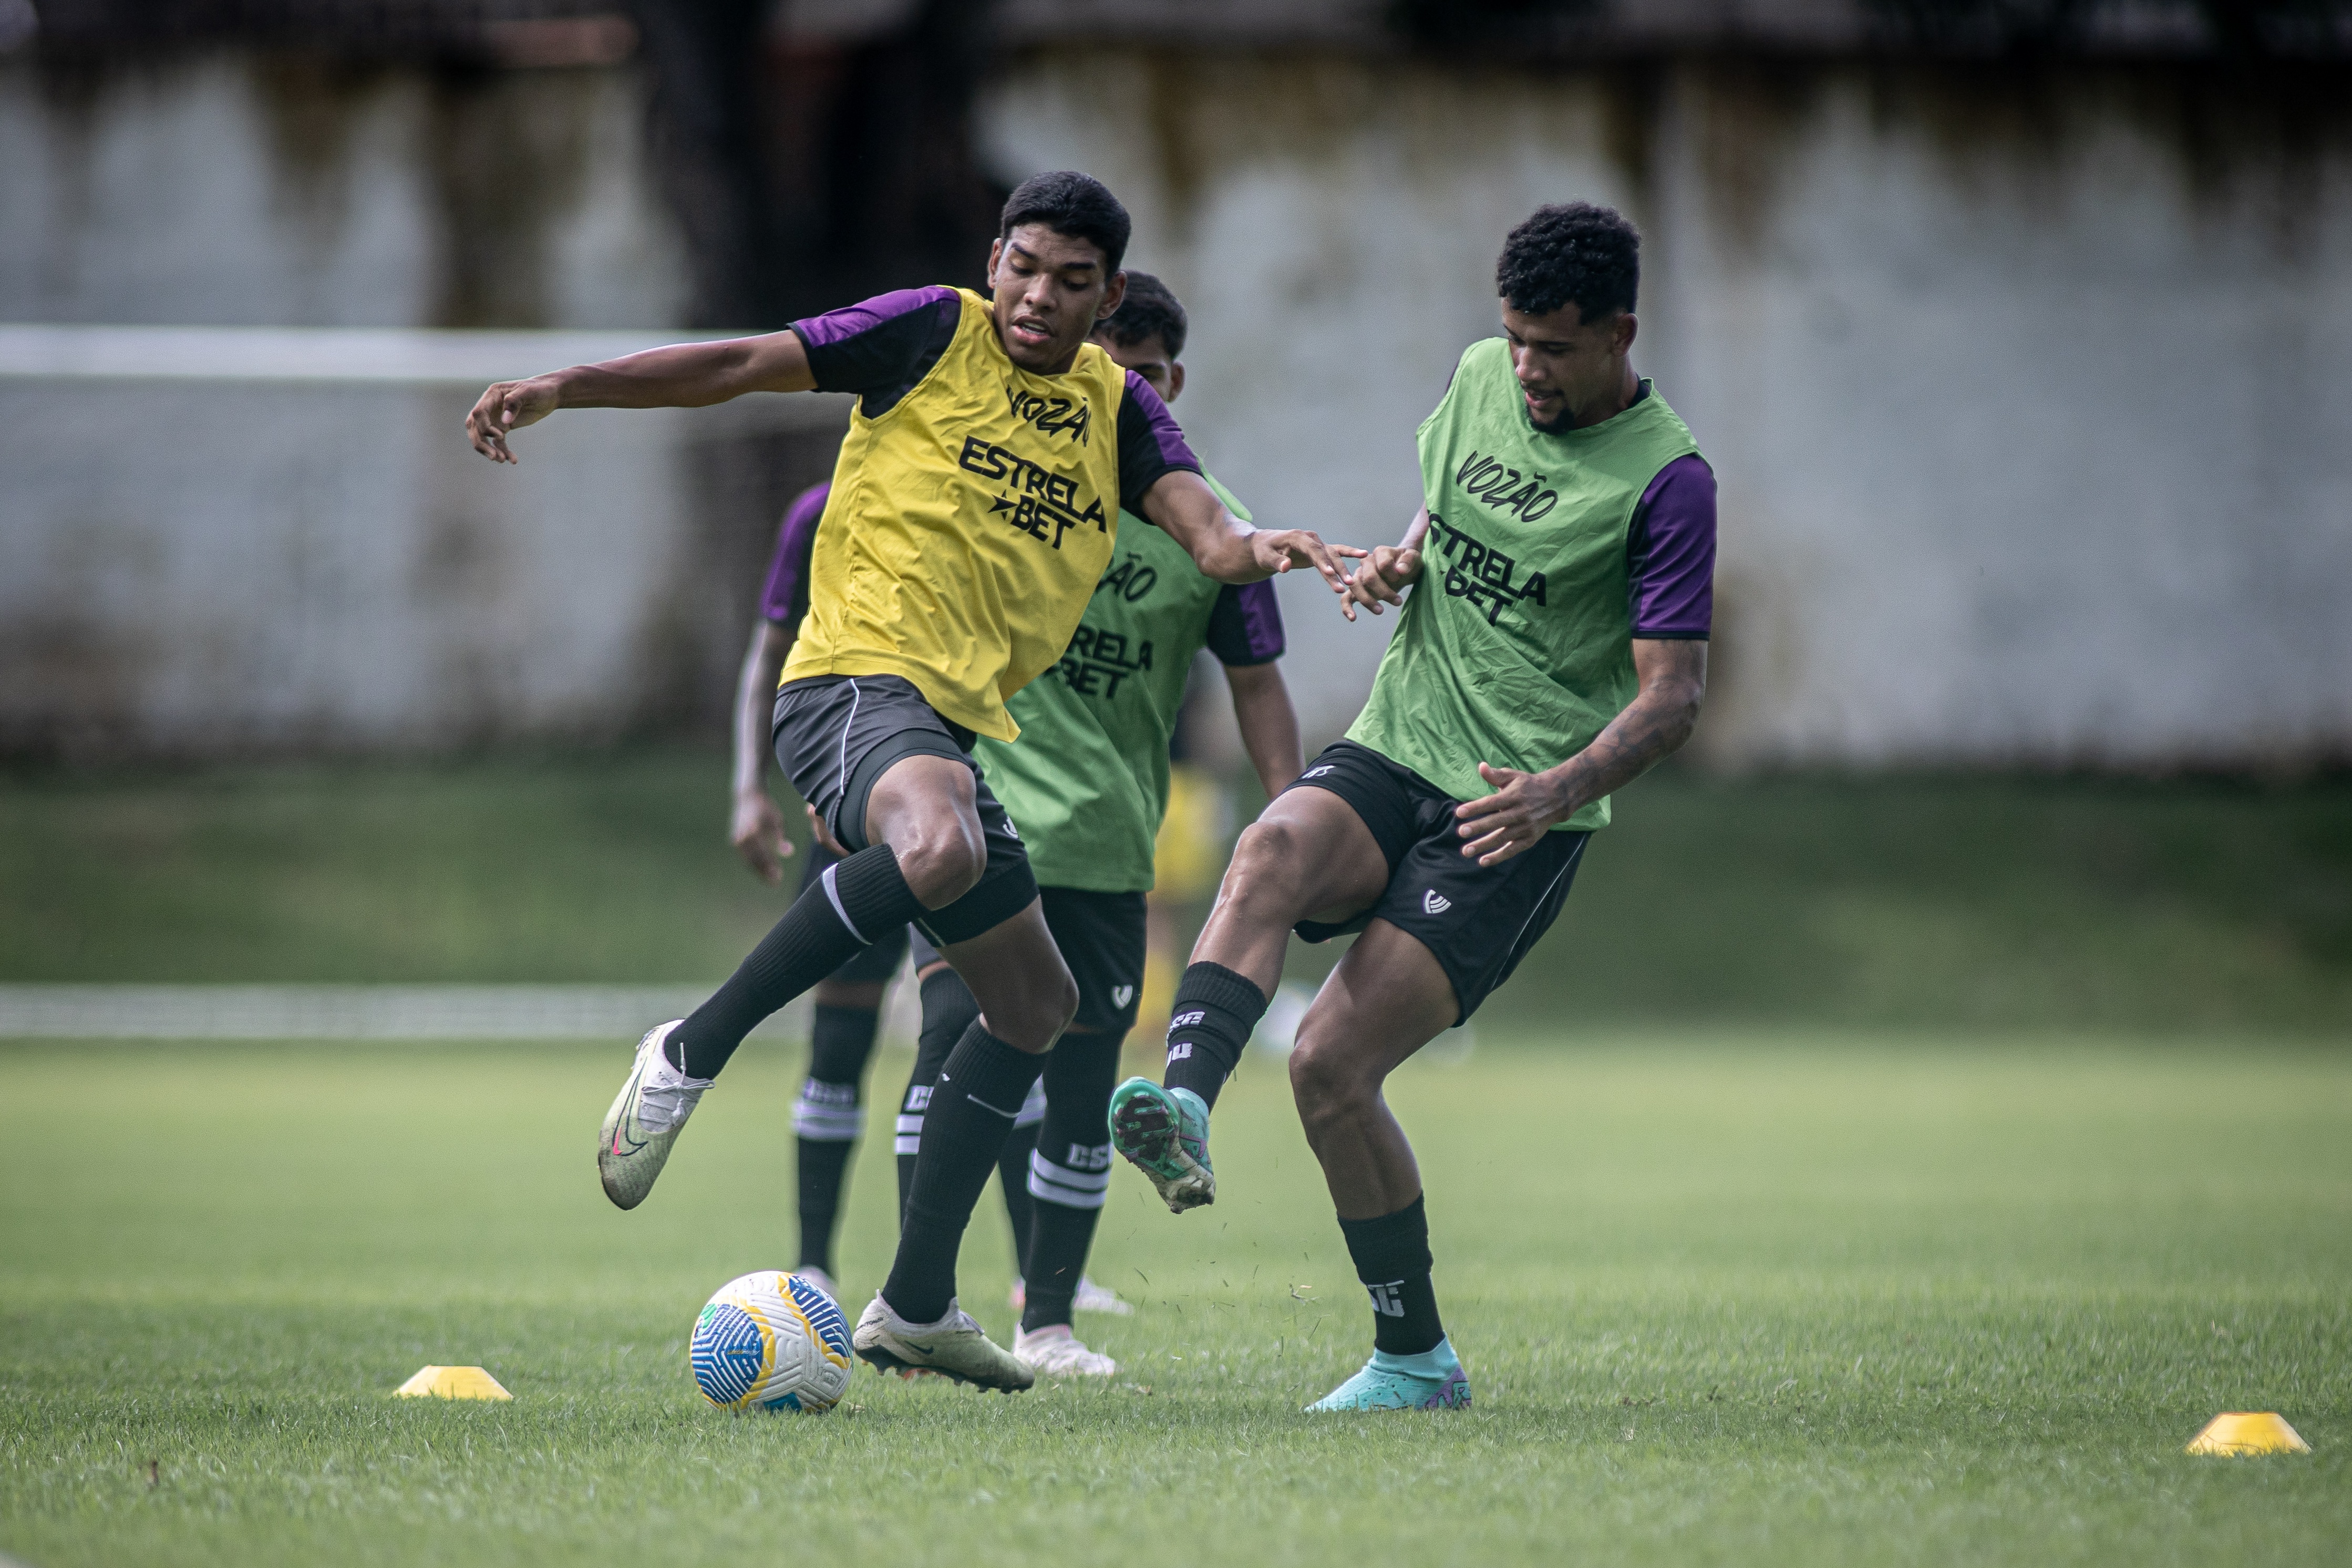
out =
column 1515, row 647
column 1087, row 782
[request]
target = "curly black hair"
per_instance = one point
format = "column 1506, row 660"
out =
column 1577, row 252
column 1073, row 203
column 1149, row 310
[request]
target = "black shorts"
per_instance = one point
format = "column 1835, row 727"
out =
column 1102, row 938
column 837, row 735
column 873, row 964
column 1477, row 920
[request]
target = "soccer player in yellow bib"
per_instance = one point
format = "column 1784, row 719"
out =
column 973, row 512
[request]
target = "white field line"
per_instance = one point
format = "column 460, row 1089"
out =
column 399, row 356
column 340, row 1012
column 603, row 1012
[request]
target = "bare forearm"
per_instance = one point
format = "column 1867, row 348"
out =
column 683, row 375
column 755, row 697
column 1651, row 728
column 1269, row 724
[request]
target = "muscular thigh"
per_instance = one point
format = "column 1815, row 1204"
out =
column 1335, row 866
column 1386, row 998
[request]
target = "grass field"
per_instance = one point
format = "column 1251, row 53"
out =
column 1725, row 1298
column 1922, row 902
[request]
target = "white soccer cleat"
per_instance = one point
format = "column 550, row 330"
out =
column 1090, row 1298
column 645, row 1121
column 1054, row 1352
column 953, row 1347
column 1094, row 1298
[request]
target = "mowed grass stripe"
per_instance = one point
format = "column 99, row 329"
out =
column 1723, row 1298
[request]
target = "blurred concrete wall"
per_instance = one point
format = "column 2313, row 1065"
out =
column 2030, row 399
column 2028, row 396
column 301, row 552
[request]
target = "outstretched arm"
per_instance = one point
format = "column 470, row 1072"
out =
column 1525, row 806
column 683, row 375
column 1269, row 724
column 1392, row 569
column 757, row 828
column 1229, row 550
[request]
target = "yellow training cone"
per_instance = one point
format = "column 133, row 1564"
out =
column 453, row 1382
column 2237, row 1433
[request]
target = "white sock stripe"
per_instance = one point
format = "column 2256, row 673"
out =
column 824, row 1126
column 1066, row 1198
column 833, row 896
column 1041, row 1169
column 906, row 1145
column 910, row 1125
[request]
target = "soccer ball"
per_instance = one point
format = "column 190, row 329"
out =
column 770, row 1340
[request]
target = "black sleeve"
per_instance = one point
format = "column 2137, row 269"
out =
column 1246, row 624
column 883, row 347
column 1149, row 444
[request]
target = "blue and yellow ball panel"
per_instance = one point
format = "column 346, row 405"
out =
column 770, row 1340
column 730, row 1352
column 823, row 1316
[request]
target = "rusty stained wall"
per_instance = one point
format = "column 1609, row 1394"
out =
column 2028, row 393
column 194, row 569
column 236, row 189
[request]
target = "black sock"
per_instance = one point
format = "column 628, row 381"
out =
column 1069, row 1174
column 947, row 1011
column 1215, row 1012
column 827, row 1119
column 1392, row 1260
column 850, row 905
column 1013, row 1181
column 972, row 1110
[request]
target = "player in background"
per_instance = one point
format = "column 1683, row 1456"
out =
column 830, row 1114
column 1553, row 647
column 971, row 515
column 1087, row 784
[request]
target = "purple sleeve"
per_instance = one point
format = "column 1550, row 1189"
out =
column 785, row 598
column 882, row 347
column 1246, row 624
column 1670, row 553
column 1149, row 444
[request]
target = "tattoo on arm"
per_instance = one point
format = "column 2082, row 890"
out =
column 1653, row 726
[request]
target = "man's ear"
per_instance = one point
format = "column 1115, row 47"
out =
column 995, row 254
column 1622, row 340
column 1113, row 296
column 1175, row 381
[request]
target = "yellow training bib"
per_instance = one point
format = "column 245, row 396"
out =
column 967, row 528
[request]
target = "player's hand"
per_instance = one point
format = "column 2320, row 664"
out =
column 823, row 835
column 1523, row 808
column 1384, row 576
column 758, row 835
column 507, row 406
column 1277, row 550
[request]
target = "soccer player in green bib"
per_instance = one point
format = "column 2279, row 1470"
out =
column 1086, row 784
column 1552, row 647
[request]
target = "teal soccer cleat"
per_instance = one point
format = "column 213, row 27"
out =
column 1433, row 1380
column 1164, row 1133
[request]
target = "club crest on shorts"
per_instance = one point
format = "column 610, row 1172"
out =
column 1120, row 996
column 1431, row 903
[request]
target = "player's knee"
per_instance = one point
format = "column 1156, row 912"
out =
column 1326, row 1083
column 1265, row 861
column 1033, row 1020
column 943, row 860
